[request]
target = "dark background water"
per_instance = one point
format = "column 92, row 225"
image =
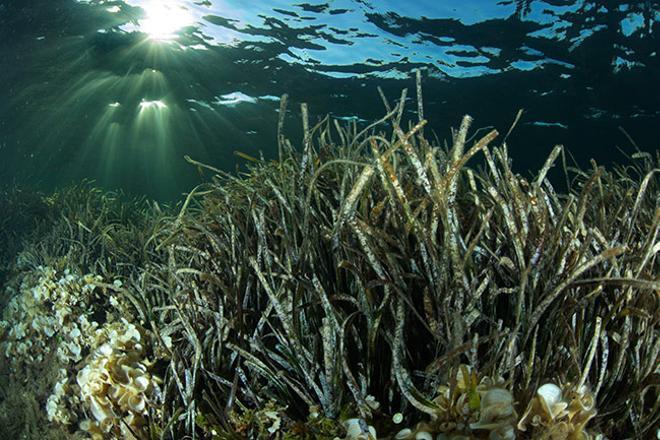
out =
column 103, row 90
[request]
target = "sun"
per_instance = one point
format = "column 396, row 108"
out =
column 163, row 19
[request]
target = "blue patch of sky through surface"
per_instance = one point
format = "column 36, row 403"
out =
column 340, row 33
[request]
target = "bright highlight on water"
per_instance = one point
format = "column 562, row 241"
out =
column 164, row 18
column 157, row 105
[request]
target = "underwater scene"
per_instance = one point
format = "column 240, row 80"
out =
column 332, row 219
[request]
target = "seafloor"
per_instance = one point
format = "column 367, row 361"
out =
column 369, row 284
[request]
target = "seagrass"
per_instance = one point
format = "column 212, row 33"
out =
column 369, row 268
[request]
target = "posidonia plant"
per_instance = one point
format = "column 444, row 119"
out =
column 375, row 283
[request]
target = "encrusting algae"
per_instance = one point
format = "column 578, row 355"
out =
column 559, row 412
column 103, row 369
column 48, row 306
column 116, row 384
column 374, row 286
column 468, row 407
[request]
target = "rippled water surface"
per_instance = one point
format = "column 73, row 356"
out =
column 121, row 91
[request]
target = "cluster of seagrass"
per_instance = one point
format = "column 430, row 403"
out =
column 376, row 285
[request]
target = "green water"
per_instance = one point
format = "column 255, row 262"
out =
column 119, row 92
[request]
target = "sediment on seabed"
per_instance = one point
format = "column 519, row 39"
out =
column 372, row 285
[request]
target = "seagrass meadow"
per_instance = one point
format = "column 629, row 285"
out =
column 369, row 284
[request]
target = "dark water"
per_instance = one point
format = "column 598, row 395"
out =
column 120, row 91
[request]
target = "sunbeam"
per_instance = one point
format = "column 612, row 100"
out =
column 163, row 19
